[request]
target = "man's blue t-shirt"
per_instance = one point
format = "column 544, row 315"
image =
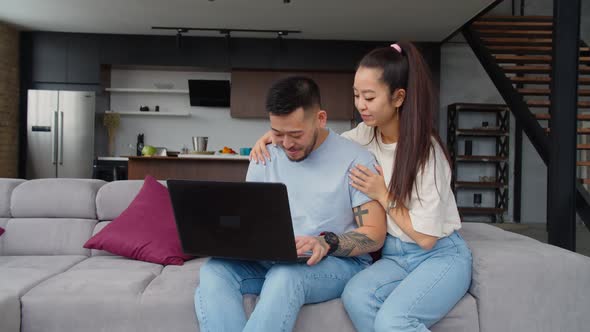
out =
column 320, row 196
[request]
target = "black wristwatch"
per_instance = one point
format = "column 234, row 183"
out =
column 332, row 240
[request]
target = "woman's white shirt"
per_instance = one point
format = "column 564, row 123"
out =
column 433, row 209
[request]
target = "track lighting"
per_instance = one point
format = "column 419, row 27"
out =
column 181, row 30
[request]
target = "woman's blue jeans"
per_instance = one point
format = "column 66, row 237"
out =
column 409, row 288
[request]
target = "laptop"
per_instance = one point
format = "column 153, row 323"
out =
column 237, row 220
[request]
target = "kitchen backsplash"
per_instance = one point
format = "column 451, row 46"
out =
column 176, row 132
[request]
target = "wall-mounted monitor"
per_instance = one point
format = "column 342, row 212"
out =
column 209, row 93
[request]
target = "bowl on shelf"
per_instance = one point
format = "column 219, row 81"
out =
column 160, row 152
column 167, row 86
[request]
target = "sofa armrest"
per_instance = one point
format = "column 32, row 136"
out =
column 523, row 285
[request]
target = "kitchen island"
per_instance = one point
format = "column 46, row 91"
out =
column 190, row 167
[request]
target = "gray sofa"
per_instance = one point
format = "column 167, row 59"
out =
column 49, row 282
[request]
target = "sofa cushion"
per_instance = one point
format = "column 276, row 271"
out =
column 6, row 188
column 532, row 286
column 462, row 318
column 21, row 273
column 98, row 294
column 55, row 198
column 47, row 236
column 145, row 230
column 95, row 252
column 3, row 222
column 114, row 197
column 484, row 232
column 173, row 289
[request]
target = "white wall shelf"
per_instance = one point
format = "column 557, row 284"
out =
column 172, row 91
column 152, row 113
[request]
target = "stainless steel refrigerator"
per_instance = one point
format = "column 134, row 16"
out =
column 60, row 134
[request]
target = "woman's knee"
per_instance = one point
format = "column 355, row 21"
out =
column 391, row 321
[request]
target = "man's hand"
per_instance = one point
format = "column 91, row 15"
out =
column 316, row 244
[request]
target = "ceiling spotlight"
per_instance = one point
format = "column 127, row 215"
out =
column 286, row 1
column 179, row 33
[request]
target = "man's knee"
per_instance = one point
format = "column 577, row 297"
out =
column 284, row 275
column 354, row 292
column 215, row 271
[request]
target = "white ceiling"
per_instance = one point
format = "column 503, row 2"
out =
column 418, row 20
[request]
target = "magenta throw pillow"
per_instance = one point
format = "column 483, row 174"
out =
column 145, row 231
column 1, row 230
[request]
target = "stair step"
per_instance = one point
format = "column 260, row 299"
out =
column 499, row 49
column 532, row 59
column 547, row 92
column 584, row 181
column 547, row 103
column 539, row 69
column 509, row 40
column 514, row 25
column 547, row 116
column 543, row 80
column 515, row 33
column 583, row 163
column 506, row 18
column 583, row 146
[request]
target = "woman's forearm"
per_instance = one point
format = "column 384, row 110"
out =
column 401, row 217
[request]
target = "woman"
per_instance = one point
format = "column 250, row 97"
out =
column 425, row 267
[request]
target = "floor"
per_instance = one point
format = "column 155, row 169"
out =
column 538, row 231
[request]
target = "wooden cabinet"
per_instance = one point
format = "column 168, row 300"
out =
column 249, row 89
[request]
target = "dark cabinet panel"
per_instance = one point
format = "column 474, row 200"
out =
column 65, row 58
column 83, row 60
column 249, row 89
column 49, row 57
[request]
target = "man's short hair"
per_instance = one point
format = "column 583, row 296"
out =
column 288, row 94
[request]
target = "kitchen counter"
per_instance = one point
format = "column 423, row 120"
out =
column 190, row 167
column 113, row 158
column 215, row 156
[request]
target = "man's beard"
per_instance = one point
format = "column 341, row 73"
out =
column 308, row 150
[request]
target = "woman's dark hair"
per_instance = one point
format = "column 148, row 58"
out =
column 408, row 70
column 288, row 94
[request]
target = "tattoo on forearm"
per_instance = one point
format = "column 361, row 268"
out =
column 351, row 240
column 358, row 214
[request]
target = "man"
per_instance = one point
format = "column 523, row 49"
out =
column 313, row 163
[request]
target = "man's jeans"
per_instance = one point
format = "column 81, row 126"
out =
column 283, row 289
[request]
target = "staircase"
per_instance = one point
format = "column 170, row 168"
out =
column 516, row 53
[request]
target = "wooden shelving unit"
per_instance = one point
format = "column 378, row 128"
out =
column 141, row 90
column 500, row 131
column 151, row 113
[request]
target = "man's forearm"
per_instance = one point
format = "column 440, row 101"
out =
column 354, row 243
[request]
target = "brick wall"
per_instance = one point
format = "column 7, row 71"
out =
column 9, row 93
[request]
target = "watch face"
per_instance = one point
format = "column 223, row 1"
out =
column 331, row 238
